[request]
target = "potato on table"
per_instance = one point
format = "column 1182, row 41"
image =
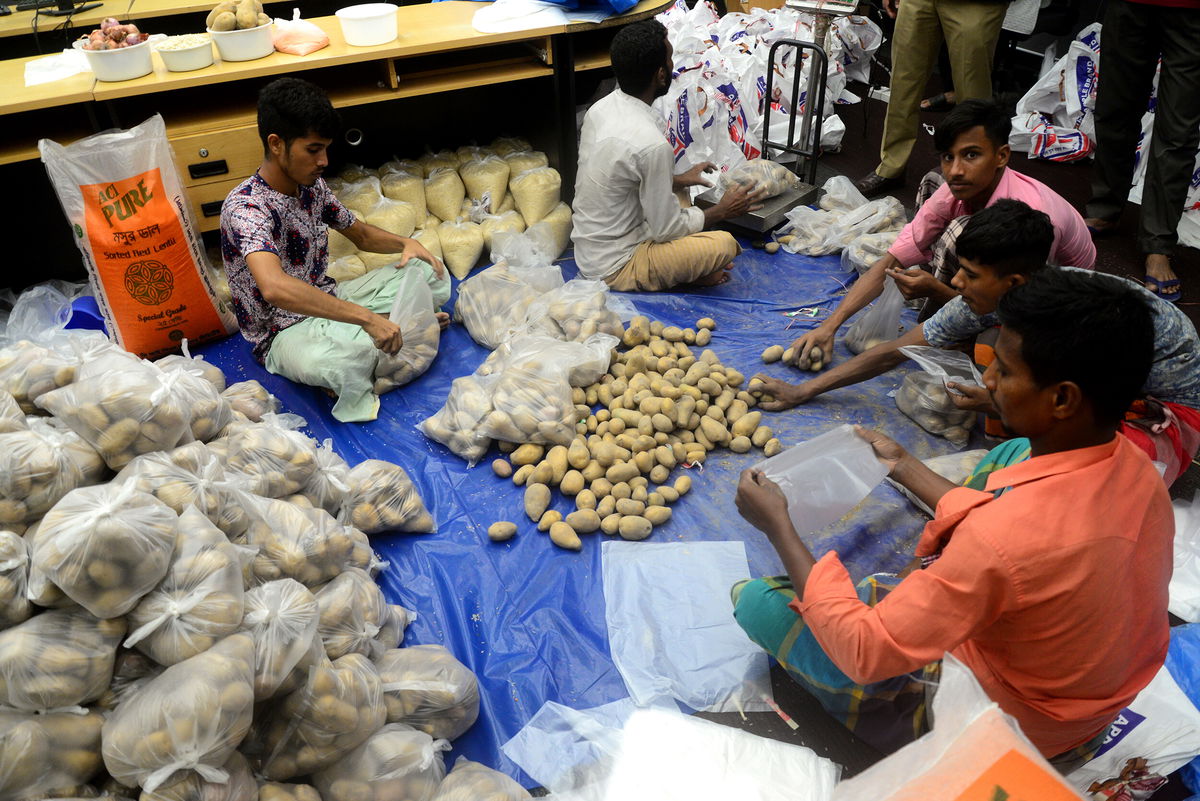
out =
column 425, row 687
column 397, row 763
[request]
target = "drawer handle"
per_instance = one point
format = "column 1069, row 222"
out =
column 207, row 169
column 212, row 208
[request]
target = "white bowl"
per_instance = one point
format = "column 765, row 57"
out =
column 244, row 45
column 187, row 59
column 368, row 24
column 122, row 64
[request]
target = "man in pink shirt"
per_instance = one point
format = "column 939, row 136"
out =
column 1050, row 584
column 973, row 142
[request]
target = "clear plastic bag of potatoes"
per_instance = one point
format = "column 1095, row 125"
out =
column 760, row 175
column 40, row 465
column 208, row 412
column 494, row 302
column 574, row 312
column 276, row 458
column 353, row 615
column 397, row 763
column 282, row 617
column 14, row 577
column 125, row 414
column 11, row 416
column 383, row 498
column 470, row 781
column 50, row 755
column 131, row 670
column 104, row 547
column 339, row 706
column 195, row 365
column 413, row 312
column 867, row 249
column 192, row 786
column 58, row 659
column 425, row 687
column 198, row 602
column 278, row 791
column 28, row 371
column 251, row 399
column 457, row 425
column 924, row 398
column 190, row 718
column 303, row 544
column 327, row 486
column 531, row 402
column 190, row 475
column 878, row 324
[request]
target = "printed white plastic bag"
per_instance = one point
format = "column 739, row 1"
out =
column 425, row 687
column 878, row 324
column 824, row 477
column 1185, row 578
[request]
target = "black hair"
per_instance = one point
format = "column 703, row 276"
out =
column 1008, row 237
column 291, row 108
column 638, row 51
column 1096, row 331
column 970, row 114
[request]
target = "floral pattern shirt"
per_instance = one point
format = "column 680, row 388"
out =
column 255, row 218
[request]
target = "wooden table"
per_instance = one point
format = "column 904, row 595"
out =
column 21, row 22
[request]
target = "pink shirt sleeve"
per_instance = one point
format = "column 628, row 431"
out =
column 1073, row 246
column 915, row 243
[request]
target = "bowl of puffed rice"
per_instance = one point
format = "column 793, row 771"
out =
column 191, row 51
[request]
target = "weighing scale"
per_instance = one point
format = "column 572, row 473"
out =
column 807, row 143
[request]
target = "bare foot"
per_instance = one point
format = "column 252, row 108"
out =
column 715, row 278
column 443, row 320
column 1158, row 267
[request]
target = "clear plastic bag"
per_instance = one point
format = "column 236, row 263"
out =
column 824, row 477
column 486, row 180
column 394, row 216
column 503, row 145
column 878, row 324
column 536, row 192
column 462, row 245
column 359, row 192
column 131, row 670
column 925, row 399
column 282, row 618
column 506, row 222
column 199, row 601
column 867, row 249
column 954, row 467
column 413, row 312
column 328, row 484
column 521, row 160
column 104, row 547
column 441, row 160
column 28, row 371
column 817, row 233
column 840, row 194
column 760, row 175
column 11, row 416
column 383, row 498
column 303, row 544
column 48, row 755
column 191, row 475
column 190, row 717
column 492, row 303
column 407, row 185
column 192, row 786
column 196, row 366
column 14, row 577
column 346, row 268
column 278, row 791
column 125, row 414
column 39, row 466
column 471, row 781
column 589, row 360
column 574, row 312
column 274, row 455
column 353, row 613
column 444, row 192
column 425, row 687
column 807, row 228
column 397, row 763
column 60, row 658
column 532, row 402
column 949, row 365
column 458, row 424
column 251, row 399
column 555, row 228
column 339, row 707
column 208, row 412
column 298, row 37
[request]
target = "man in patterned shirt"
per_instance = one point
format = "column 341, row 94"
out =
column 274, row 242
column 1003, row 246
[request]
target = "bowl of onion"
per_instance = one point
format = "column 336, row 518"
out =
column 117, row 52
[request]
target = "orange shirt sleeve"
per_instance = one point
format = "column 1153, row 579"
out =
column 931, row 612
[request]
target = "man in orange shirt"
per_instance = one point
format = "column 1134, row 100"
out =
column 1051, row 584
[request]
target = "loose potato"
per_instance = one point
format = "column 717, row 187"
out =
column 537, row 498
column 502, row 468
column 549, row 518
column 562, row 535
column 584, row 521
column 772, row 447
column 772, row 354
column 634, row 527
column 501, row 531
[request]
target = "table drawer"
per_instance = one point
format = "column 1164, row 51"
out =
column 206, row 202
column 217, row 156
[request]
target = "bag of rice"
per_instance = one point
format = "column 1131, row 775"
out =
column 555, row 228
column 353, row 613
column 39, row 466
column 521, row 160
column 200, row 599
column 377, row 261
column 462, row 245
column 14, row 576
column 457, row 425
column 339, row 707
column 442, row 160
column 251, row 399
column 57, row 659
column 536, row 192
column 282, row 618
column 425, row 687
column 397, row 763
column 398, row 165
column 444, row 193
column 468, row 153
column 394, row 216
column 125, row 414
column 303, row 544
column 413, row 312
column 104, row 547
column 486, row 180
column 504, row 145
column 192, row 786
column 408, row 186
column 276, row 458
column 352, row 173
column 52, row 755
column 277, row 791
column 189, row 718
column 492, row 224
column 382, row 498
column 340, row 246
column 28, row 371
column 346, row 268
column 470, row 781
column 430, row 239
column 361, row 195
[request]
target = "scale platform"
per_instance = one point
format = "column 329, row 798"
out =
column 771, row 215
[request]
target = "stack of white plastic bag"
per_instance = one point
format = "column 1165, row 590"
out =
column 716, row 101
column 1055, row 120
column 844, row 220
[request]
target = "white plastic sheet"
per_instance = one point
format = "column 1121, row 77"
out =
column 1184, row 589
column 824, row 477
column 671, row 628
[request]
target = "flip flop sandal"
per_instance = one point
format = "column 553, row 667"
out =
column 938, row 103
column 1104, row 229
column 1167, row 290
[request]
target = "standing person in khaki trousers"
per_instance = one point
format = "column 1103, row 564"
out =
column 970, row 29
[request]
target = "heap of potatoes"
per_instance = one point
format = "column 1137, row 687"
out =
column 659, row 406
column 231, row 16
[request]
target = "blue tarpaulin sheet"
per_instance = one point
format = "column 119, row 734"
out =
column 528, row 617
